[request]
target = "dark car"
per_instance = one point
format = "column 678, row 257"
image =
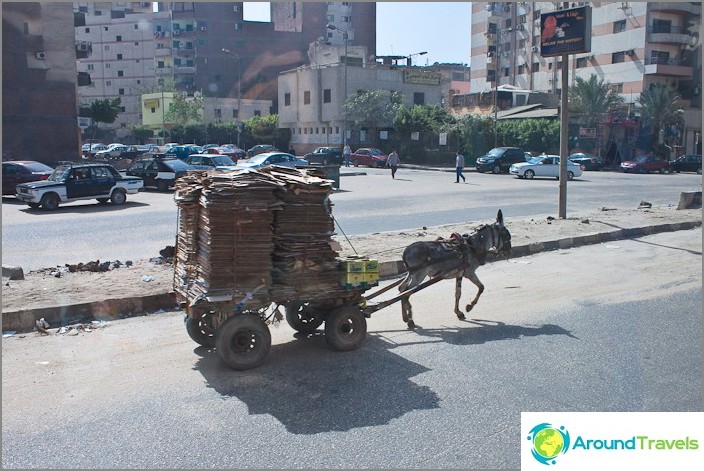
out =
column 587, row 161
column 687, row 163
column 159, row 173
column 368, row 156
column 272, row 158
column 260, row 149
column 324, row 156
column 645, row 164
column 22, row 171
column 230, row 150
column 500, row 159
column 181, row 152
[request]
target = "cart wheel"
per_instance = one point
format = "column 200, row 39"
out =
column 345, row 328
column 200, row 329
column 304, row 318
column 243, row 341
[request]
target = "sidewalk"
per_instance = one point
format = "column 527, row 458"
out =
column 120, row 293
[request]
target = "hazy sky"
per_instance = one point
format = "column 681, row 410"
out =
column 403, row 28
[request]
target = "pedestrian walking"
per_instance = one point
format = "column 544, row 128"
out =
column 459, row 166
column 393, row 162
column 346, row 152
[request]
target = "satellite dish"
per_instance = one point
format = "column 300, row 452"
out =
column 196, row 94
column 487, row 7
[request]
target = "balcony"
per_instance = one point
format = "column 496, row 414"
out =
column 669, row 67
column 185, row 51
column 673, row 35
column 83, row 49
column 676, row 7
column 163, row 70
column 185, row 69
column 162, row 52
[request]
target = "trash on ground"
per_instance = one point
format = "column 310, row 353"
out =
column 8, row 333
column 147, row 278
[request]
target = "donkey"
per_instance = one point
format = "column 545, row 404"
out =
column 457, row 257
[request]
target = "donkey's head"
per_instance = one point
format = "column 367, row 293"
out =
column 501, row 237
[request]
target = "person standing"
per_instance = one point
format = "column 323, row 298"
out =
column 346, row 152
column 393, row 162
column 459, row 166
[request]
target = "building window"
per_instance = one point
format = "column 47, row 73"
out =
column 616, row 87
column 136, row 43
column 153, row 110
column 418, row 98
column 106, row 48
column 107, row 65
column 238, row 26
column 323, row 129
column 87, row 30
column 97, row 13
column 139, row 81
column 619, row 26
column 91, row 67
column 118, row 39
column 346, row 19
column 160, row 65
column 235, row 114
column 287, row 99
column 306, row 98
column 120, row 73
column 659, row 57
column 236, row 8
column 122, row 109
column 330, row 17
column 521, row 43
column 108, row 83
column 521, row 69
column 536, row 66
column 120, row 91
column 662, row 26
column 508, row 23
column 617, row 57
column 305, row 130
column 327, row 96
column 337, row 129
column 581, row 62
column 505, row 71
column 119, row 57
column 218, row 113
column 136, row 26
column 317, row 130
column 105, row 28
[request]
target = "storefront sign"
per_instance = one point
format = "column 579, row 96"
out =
column 151, row 103
column 426, row 77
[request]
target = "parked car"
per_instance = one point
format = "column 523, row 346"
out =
column 22, row 171
column 146, row 148
column 587, row 161
column 89, row 149
column 117, row 152
column 181, row 152
column 159, row 173
column 73, row 182
column 210, row 161
column 260, row 149
column 687, row 163
column 544, row 166
column 368, row 156
column 324, row 156
column 500, row 159
column 272, row 158
column 231, row 150
column 645, row 164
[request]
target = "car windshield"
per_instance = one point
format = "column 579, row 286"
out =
column 257, row 159
column 641, row 159
column 38, row 167
column 535, row 160
column 375, row 152
column 177, row 165
column 222, row 160
column 59, row 174
column 495, row 153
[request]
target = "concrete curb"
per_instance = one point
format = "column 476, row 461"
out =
column 110, row 309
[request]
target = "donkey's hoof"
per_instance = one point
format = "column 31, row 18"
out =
column 460, row 316
column 411, row 325
column 468, row 307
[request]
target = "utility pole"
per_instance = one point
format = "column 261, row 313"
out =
column 238, row 64
column 564, row 129
column 345, row 36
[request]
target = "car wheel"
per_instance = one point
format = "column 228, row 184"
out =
column 529, row 174
column 33, row 205
column 570, row 175
column 662, row 170
column 118, row 197
column 162, row 185
column 50, row 201
column 355, row 163
column 496, row 169
column 103, row 200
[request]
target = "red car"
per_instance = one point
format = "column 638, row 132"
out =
column 22, row 171
column 369, row 157
column 645, row 164
column 232, row 151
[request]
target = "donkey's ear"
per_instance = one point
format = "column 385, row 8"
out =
column 500, row 218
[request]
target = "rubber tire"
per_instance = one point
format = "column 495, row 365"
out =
column 34, row 205
column 345, row 328
column 103, row 200
column 200, row 331
column 355, row 163
column 304, row 318
column 118, row 197
column 50, row 201
column 529, row 174
column 662, row 170
column 570, row 176
column 162, row 185
column 496, row 170
column 243, row 341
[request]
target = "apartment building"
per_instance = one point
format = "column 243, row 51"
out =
column 634, row 46
column 39, row 108
column 208, row 48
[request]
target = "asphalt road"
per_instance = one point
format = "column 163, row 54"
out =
column 85, row 231
column 608, row 327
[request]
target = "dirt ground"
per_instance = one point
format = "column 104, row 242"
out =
column 42, row 288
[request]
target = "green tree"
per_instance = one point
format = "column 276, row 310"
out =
column 141, row 134
column 373, row 109
column 182, row 110
column 592, row 99
column 659, row 108
column 104, row 110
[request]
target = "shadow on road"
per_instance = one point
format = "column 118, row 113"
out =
column 311, row 389
column 86, row 208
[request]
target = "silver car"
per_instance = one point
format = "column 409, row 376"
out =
column 272, row 158
column 544, row 166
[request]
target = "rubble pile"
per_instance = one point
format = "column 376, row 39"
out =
column 224, row 246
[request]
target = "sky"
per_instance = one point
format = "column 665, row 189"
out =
column 442, row 29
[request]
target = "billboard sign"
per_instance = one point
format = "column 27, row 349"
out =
column 566, row 32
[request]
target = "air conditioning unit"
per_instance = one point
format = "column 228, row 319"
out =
column 203, row 28
column 40, row 55
column 535, row 49
column 631, row 52
column 82, row 47
column 490, row 54
column 520, row 27
column 177, row 32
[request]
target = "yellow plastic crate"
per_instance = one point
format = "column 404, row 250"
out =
column 371, row 266
column 352, row 266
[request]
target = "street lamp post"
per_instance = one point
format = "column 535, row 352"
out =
column 345, row 36
column 238, row 62
column 410, row 61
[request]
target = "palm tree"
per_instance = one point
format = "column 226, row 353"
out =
column 593, row 100
column 104, row 111
column 660, row 107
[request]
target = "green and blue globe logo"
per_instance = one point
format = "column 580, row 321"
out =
column 548, row 442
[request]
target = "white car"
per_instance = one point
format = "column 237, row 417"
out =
column 544, row 166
